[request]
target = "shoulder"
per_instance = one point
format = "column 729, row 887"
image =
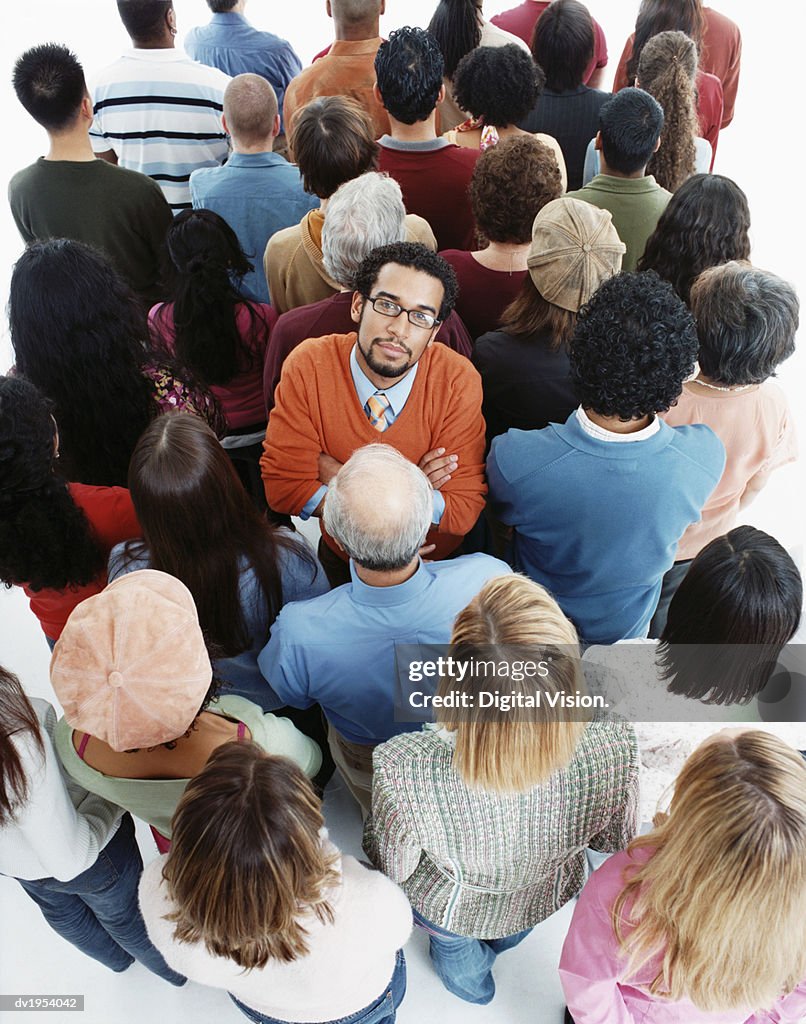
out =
column 25, row 177
column 369, row 893
column 283, row 242
column 698, row 443
column 476, row 569
column 610, row 738
column 721, row 24
column 320, row 356
column 400, row 754
column 97, row 501
column 456, row 370
column 419, row 230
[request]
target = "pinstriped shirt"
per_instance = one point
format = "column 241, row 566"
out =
column 491, row 864
column 161, row 114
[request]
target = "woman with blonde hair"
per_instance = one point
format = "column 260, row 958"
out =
column 483, row 818
column 704, row 917
column 255, row 899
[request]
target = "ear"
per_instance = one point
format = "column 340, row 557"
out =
column 597, row 142
column 170, row 20
column 85, row 110
column 376, row 92
column 657, row 145
column 224, row 125
column 383, row 8
column 441, row 94
column 356, row 307
column 328, row 9
column 276, row 128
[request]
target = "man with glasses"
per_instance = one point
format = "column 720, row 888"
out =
column 343, row 391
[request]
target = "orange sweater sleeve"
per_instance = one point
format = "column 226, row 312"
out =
column 462, row 433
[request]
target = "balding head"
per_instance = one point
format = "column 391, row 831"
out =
column 379, row 508
column 250, row 112
column 352, row 14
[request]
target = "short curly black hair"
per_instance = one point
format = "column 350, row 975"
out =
column 408, row 254
column 511, row 184
column 409, row 68
column 634, row 344
column 502, row 84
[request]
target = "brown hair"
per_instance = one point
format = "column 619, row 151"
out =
column 511, row 183
column 731, row 854
column 17, row 718
column 333, row 141
column 656, row 16
column 529, row 313
column 668, row 70
column 247, row 861
column 517, row 751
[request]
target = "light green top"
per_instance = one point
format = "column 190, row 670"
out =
column 155, row 800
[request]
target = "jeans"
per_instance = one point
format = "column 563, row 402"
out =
column 382, row 1011
column 465, row 964
column 97, row 911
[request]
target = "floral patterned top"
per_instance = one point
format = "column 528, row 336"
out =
column 174, row 394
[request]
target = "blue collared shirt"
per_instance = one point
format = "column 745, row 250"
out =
column 397, row 396
column 257, row 194
column 231, row 44
column 338, row 650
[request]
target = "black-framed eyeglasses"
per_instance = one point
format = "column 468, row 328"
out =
column 416, row 317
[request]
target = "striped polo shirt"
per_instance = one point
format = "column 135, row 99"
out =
column 161, row 114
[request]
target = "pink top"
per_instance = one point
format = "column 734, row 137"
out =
column 756, row 428
column 591, row 968
column 242, row 398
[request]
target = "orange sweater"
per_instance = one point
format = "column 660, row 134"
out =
column 316, row 410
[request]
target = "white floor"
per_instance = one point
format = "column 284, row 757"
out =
column 757, row 150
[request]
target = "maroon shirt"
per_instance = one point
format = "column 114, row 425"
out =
column 434, row 180
column 521, row 21
column 484, row 294
column 332, row 316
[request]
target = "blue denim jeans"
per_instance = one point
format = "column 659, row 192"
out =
column 465, row 964
column 97, row 911
column 382, row 1011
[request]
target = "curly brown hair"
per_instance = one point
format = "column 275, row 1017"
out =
column 668, row 70
column 511, row 183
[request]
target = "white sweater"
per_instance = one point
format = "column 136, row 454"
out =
column 348, row 967
column 62, row 828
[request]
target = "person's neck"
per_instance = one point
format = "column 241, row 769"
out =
column 74, row 145
column 605, row 168
column 713, row 382
column 505, row 256
column 263, row 146
column 166, row 42
column 616, row 425
column 420, row 131
column 392, row 578
column 357, row 33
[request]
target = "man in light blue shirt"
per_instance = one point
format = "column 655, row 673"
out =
column 257, row 192
column 338, row 650
column 232, row 45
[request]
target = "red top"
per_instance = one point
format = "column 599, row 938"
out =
column 434, row 183
column 484, row 294
column 112, row 519
column 521, row 21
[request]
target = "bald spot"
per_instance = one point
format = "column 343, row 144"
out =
column 250, row 107
column 385, row 516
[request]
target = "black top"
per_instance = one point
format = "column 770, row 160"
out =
column 526, row 383
column 572, row 118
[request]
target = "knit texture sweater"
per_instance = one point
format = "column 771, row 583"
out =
column 317, row 410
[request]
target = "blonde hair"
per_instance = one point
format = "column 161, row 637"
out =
column 730, row 854
column 247, row 862
column 514, row 751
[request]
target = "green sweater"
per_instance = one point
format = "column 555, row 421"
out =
column 155, row 800
column 635, row 204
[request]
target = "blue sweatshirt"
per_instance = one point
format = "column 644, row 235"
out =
column 597, row 522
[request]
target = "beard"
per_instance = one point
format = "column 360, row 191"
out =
column 379, row 364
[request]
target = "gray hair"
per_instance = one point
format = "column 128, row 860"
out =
column 362, row 214
column 379, row 507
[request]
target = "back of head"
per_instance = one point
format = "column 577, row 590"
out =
column 634, row 344
column 415, row 256
column 357, row 14
column 731, row 853
column 706, row 223
column 247, row 858
column 747, row 319
column 144, row 20
column 49, row 83
column 668, row 70
column 250, row 107
column 379, row 507
column 656, row 16
column 739, row 603
column 333, row 141
column 18, row 722
column 499, row 84
column 630, row 123
column 563, row 43
column 409, row 69
column 456, row 27
column 362, row 214
column 516, row 622
column 221, row 6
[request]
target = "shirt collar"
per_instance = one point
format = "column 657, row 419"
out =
column 165, row 56
column 224, row 17
column 594, row 430
column 254, row 159
column 401, row 593
column 397, row 395
column 426, row 146
column 351, row 47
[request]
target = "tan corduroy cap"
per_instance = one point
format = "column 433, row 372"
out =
column 575, row 248
column 131, row 667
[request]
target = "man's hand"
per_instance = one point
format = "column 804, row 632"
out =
column 438, row 466
column 328, row 467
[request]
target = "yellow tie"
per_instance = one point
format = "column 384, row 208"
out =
column 376, row 410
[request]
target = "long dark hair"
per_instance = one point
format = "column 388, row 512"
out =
column 664, row 16
column 705, row 225
column 207, row 264
column 45, row 539
column 200, row 526
column 530, row 314
column 81, row 336
column 456, row 27
column 17, row 718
